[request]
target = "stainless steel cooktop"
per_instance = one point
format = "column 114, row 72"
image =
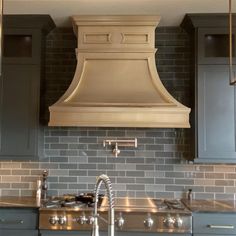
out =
column 146, row 204
column 131, row 214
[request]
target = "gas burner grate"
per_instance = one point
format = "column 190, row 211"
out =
column 174, row 204
column 82, row 200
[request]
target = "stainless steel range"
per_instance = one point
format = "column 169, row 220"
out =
column 131, row 215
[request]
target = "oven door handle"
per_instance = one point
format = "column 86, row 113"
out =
column 11, row 222
column 220, row 226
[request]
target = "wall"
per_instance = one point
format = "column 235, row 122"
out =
column 75, row 156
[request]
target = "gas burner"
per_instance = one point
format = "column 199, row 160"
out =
column 174, row 204
column 51, row 205
column 169, row 204
column 82, row 200
column 68, row 203
column 73, row 204
column 160, row 204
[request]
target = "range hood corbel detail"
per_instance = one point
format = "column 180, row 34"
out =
column 116, row 83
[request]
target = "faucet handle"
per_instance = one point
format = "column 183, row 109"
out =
column 45, row 173
column 90, row 220
column 190, row 194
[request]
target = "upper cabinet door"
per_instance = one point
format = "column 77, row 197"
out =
column 216, row 115
column 19, row 111
column 213, row 46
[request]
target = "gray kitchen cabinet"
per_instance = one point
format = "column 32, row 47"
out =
column 148, row 234
column 209, row 224
column 216, row 115
column 19, row 113
column 18, row 221
column 213, row 99
column 208, row 234
column 63, row 232
column 22, row 72
column 88, row 233
column 18, row 233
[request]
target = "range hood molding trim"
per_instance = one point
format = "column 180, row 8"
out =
column 120, row 117
column 156, row 108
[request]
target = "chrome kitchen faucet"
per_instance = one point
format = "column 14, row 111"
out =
column 106, row 180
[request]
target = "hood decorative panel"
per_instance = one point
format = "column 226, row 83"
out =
column 116, row 83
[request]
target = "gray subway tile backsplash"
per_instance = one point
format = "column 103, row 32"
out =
column 75, row 156
column 125, row 180
column 224, row 182
column 10, row 192
column 135, row 187
column 184, row 181
column 58, row 186
column 66, row 179
column 164, row 194
column 15, row 165
column 5, row 172
column 174, row 188
column 174, row 174
column 203, row 195
column 5, row 185
column 115, row 173
column 224, row 196
column 214, row 175
column 20, row 185
column 78, row 172
column 214, row 189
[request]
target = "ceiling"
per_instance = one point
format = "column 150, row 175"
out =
column 171, row 11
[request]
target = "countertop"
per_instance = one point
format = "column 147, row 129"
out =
column 211, row 206
column 28, row 202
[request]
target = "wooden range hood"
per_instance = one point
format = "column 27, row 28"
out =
column 116, row 83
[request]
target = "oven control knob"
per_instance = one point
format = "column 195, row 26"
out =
column 82, row 220
column 168, row 221
column 148, row 222
column 53, row 220
column 90, row 220
column 120, row 221
column 61, row 220
column 178, row 221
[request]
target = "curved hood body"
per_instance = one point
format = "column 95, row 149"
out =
column 116, row 83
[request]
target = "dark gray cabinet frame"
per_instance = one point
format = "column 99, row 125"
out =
column 213, row 136
column 26, row 141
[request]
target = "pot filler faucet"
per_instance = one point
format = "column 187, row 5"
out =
column 106, row 180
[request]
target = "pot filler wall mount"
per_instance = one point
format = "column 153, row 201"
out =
column 116, row 83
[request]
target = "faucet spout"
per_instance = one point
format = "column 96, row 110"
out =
column 106, row 180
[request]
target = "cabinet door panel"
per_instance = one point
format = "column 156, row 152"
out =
column 208, row 234
column 148, row 234
column 64, row 233
column 11, row 218
column 19, row 111
column 213, row 223
column 216, row 115
column 18, row 232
